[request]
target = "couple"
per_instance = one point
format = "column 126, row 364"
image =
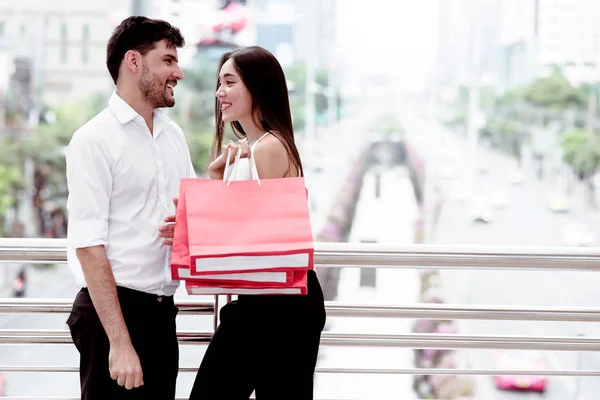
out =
column 123, row 172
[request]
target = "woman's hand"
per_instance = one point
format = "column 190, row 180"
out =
column 216, row 169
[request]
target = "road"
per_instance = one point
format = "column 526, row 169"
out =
column 375, row 286
column 526, row 221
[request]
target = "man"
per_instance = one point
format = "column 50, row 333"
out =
column 123, row 168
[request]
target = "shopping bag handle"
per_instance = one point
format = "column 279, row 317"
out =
column 227, row 165
column 238, row 155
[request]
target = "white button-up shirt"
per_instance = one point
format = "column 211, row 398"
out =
column 122, row 181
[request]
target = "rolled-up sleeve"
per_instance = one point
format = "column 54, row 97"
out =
column 191, row 173
column 89, row 181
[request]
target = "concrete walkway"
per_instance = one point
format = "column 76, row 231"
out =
column 387, row 219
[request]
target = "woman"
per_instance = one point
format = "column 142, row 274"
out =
column 267, row 344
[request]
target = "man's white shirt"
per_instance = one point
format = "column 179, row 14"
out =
column 122, row 181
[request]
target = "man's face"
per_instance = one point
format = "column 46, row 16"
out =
column 160, row 73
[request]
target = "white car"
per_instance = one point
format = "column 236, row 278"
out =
column 579, row 235
column 559, row 202
column 499, row 197
column 459, row 192
column 447, row 171
column 480, row 211
column 516, row 178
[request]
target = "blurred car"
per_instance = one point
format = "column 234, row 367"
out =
column 499, row 197
column 459, row 192
column 516, row 178
column 480, row 211
column 579, row 235
column 558, row 202
column 525, row 360
column 447, row 171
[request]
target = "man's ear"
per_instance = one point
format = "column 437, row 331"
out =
column 133, row 61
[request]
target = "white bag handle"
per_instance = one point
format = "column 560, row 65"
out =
column 227, row 165
column 238, row 155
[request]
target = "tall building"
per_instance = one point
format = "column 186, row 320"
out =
column 274, row 26
column 468, row 38
column 315, row 30
column 569, row 37
column 518, row 43
column 296, row 30
column 64, row 43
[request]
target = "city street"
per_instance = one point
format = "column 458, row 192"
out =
column 375, row 286
column 523, row 220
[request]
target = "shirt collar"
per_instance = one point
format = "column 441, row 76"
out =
column 125, row 113
column 122, row 110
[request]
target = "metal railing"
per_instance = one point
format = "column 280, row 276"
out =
column 341, row 255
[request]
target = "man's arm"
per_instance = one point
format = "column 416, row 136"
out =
column 89, row 180
column 103, row 291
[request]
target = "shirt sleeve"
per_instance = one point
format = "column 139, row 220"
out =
column 191, row 173
column 89, row 181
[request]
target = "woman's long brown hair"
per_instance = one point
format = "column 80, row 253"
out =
column 263, row 76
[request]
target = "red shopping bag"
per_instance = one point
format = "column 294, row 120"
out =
column 275, row 278
column 247, row 226
column 180, row 259
column 202, row 287
column 219, row 248
column 180, row 253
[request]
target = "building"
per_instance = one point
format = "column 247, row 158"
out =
column 569, row 37
column 468, row 39
column 65, row 42
column 518, row 43
column 198, row 20
column 538, row 35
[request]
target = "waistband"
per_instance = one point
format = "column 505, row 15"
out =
column 136, row 296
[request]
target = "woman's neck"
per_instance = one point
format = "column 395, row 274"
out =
column 252, row 131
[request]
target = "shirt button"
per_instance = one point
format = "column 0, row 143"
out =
column 159, row 299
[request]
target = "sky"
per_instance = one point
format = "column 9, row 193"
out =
column 391, row 37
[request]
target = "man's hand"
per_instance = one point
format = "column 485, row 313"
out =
column 124, row 366
column 123, row 362
column 167, row 230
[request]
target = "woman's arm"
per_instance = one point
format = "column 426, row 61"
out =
column 216, row 169
column 272, row 160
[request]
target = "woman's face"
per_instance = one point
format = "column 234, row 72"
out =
column 234, row 97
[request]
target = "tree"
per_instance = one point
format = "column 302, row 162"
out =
column 47, row 150
column 582, row 153
column 196, row 115
column 554, row 91
column 296, row 79
column 10, row 180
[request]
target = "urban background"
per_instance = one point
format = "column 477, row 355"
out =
column 454, row 122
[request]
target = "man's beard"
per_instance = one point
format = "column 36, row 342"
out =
column 154, row 91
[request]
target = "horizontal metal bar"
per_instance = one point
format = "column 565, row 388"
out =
column 78, row 398
column 58, row 398
column 45, row 336
column 365, row 371
column 336, row 309
column 30, row 306
column 456, row 257
column 457, row 371
column 365, row 255
column 458, row 311
column 409, row 340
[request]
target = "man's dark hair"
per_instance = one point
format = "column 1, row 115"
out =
column 140, row 34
